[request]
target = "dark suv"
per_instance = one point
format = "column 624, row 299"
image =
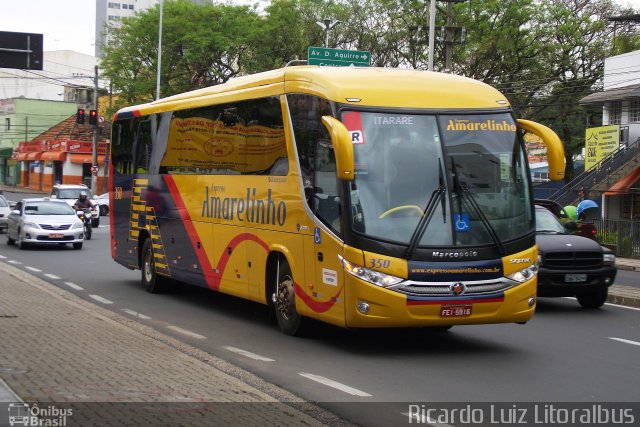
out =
column 586, row 229
column 571, row 265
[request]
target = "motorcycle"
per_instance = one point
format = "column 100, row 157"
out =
column 85, row 217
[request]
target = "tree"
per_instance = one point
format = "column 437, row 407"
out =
column 577, row 39
column 203, row 45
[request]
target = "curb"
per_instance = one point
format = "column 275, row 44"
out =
column 623, row 300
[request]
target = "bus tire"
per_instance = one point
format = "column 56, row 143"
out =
column 284, row 301
column 151, row 281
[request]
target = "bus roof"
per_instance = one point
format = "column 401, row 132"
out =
column 362, row 86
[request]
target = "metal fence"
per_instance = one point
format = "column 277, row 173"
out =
column 621, row 236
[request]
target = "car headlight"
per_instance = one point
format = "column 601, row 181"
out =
column 77, row 225
column 371, row 276
column 30, row 225
column 524, row 274
column 609, row 259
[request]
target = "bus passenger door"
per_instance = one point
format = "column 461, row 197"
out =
column 327, row 290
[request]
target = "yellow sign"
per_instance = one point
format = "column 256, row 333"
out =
column 205, row 144
column 599, row 143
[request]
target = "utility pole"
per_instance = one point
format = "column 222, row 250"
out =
column 159, row 53
column 94, row 166
column 432, row 30
column 448, row 39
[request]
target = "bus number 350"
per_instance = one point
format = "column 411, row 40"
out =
column 380, row 263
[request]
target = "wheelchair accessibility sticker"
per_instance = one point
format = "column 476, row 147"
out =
column 316, row 235
column 462, row 222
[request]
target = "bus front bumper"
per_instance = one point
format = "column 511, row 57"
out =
column 371, row 306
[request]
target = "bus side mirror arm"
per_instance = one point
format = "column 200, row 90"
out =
column 555, row 149
column 342, row 147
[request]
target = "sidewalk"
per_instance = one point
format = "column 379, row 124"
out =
column 625, row 295
column 63, row 353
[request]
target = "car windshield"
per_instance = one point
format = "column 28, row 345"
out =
column 546, row 222
column 3, row 202
column 48, row 208
column 72, row 193
column 465, row 174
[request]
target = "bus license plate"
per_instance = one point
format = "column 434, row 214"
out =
column 455, row 310
column 56, row 236
column 575, row 278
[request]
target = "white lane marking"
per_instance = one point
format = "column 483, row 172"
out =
column 136, row 314
column 622, row 306
column 74, row 286
column 12, row 261
column 100, row 299
column 248, row 354
column 625, row 341
column 423, row 419
column 52, row 276
column 37, row 270
column 3, row 257
column 186, row 332
column 334, row 384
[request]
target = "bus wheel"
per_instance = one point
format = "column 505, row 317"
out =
column 151, row 281
column 284, row 300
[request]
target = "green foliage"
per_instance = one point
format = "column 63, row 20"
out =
column 544, row 55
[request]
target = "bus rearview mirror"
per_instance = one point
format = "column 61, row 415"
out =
column 342, row 147
column 555, row 149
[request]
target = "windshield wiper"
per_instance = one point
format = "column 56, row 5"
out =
column 429, row 210
column 464, row 189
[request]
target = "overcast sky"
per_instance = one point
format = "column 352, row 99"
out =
column 70, row 24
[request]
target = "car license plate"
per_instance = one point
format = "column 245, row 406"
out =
column 455, row 310
column 575, row 278
column 56, row 236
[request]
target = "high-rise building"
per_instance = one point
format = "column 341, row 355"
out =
column 112, row 12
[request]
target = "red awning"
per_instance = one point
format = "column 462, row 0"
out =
column 34, row 156
column 22, row 156
column 54, row 155
column 623, row 186
column 85, row 158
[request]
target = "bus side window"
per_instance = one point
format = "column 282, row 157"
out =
column 142, row 147
column 121, row 146
column 316, row 157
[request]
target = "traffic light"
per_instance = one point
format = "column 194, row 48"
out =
column 80, row 116
column 93, row 117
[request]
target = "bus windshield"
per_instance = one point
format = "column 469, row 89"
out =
column 465, row 173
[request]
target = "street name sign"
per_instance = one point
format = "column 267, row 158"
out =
column 338, row 57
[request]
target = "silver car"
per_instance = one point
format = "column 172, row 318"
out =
column 44, row 221
column 5, row 209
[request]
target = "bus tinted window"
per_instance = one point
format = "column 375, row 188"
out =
column 227, row 139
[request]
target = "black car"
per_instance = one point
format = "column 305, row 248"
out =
column 571, row 265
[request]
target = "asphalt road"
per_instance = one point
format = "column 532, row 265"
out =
column 565, row 354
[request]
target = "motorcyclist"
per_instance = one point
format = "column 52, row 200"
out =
column 83, row 202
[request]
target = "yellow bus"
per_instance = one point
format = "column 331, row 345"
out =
column 360, row 197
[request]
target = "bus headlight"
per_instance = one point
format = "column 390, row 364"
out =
column 371, row 276
column 524, row 274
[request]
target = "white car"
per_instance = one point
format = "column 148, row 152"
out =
column 5, row 210
column 70, row 193
column 103, row 203
column 44, row 221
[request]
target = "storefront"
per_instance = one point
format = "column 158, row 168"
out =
column 49, row 162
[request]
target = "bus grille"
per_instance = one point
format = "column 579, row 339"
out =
column 416, row 288
column 572, row 260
